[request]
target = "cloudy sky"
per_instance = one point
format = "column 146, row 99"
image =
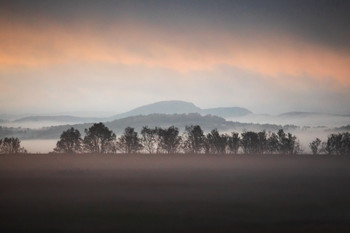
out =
column 112, row 56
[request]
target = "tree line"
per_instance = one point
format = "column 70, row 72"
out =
column 99, row 139
column 11, row 146
column 336, row 144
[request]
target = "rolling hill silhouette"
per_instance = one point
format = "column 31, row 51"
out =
column 162, row 107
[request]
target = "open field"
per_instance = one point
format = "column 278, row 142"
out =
column 174, row 193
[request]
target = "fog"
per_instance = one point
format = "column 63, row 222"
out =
column 308, row 119
column 305, row 137
column 310, row 127
column 39, row 146
column 174, row 193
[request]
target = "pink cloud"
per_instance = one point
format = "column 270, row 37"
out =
column 270, row 54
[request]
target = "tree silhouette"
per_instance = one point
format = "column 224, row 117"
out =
column 11, row 146
column 262, row 142
column 315, row 146
column 193, row 139
column 346, row 143
column 333, row 144
column 70, row 142
column 158, row 139
column 216, row 143
column 129, row 142
column 99, row 139
column 273, row 145
column 250, row 142
column 233, row 143
column 149, row 139
column 169, row 139
column 338, row 144
column 288, row 143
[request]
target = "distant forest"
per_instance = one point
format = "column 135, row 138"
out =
column 100, row 139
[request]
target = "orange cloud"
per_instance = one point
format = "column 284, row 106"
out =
column 270, row 55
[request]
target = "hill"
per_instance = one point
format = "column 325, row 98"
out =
column 181, row 107
column 162, row 107
column 226, row 112
column 63, row 119
column 312, row 119
column 207, row 123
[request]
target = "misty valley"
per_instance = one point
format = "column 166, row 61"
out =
column 45, row 131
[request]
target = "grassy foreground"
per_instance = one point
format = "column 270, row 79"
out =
column 174, row 193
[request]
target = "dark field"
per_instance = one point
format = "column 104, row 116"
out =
column 179, row 193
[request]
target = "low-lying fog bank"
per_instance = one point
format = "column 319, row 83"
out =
column 298, row 118
column 304, row 136
column 39, row 146
column 174, row 193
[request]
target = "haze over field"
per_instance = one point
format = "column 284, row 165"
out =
column 176, row 193
column 306, row 125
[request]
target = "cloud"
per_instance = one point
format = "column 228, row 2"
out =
column 82, row 66
column 118, row 88
column 136, row 44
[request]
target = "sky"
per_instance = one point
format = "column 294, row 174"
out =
column 112, row 56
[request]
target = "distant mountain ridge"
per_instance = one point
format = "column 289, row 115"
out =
column 312, row 119
column 63, row 119
column 162, row 107
column 181, row 107
column 227, row 112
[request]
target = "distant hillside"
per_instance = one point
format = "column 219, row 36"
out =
column 227, row 112
column 164, row 107
column 165, row 120
column 207, row 123
column 345, row 128
column 63, row 119
column 238, row 114
column 181, row 107
column 312, row 119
